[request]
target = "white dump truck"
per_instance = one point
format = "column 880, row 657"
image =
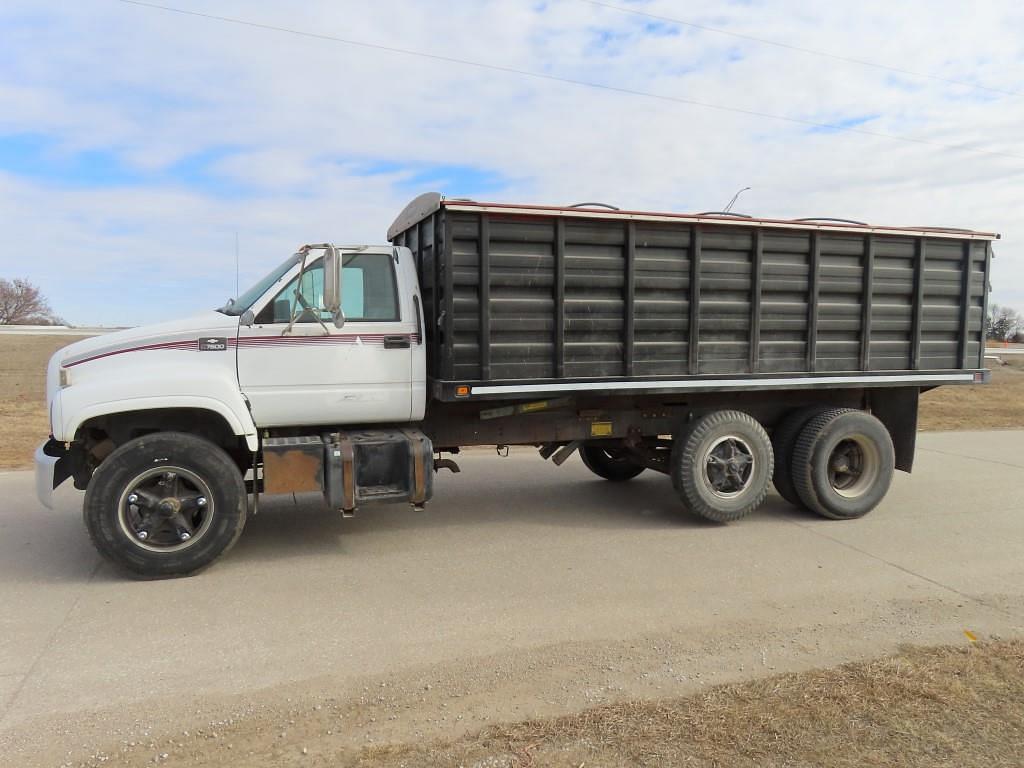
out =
column 727, row 352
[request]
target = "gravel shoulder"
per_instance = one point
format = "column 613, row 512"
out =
column 442, row 714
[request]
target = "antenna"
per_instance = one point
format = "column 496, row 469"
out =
column 734, row 198
column 236, row 263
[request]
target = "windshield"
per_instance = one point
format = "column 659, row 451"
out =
column 235, row 307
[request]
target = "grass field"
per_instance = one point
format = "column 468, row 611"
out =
column 22, row 392
column 25, row 423
column 955, row 706
column 999, row 405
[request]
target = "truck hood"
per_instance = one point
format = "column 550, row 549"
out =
column 183, row 331
column 174, row 334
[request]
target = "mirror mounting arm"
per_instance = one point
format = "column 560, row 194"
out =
column 299, row 299
column 333, row 269
column 331, row 290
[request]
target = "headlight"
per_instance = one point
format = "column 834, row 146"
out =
column 65, row 378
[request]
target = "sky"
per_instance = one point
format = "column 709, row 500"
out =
column 136, row 142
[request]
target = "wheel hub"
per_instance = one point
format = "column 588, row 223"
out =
column 170, row 506
column 729, row 466
column 853, row 466
column 845, row 465
column 165, row 509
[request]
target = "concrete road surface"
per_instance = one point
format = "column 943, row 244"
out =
column 524, row 589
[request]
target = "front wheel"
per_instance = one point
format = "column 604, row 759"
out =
column 166, row 504
column 722, row 465
column 609, row 463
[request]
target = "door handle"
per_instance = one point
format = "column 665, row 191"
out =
column 396, row 342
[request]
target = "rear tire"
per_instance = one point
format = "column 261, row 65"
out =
column 784, row 438
column 722, row 466
column 609, row 463
column 166, row 504
column 843, row 464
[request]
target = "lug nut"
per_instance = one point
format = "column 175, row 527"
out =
column 133, row 498
column 143, row 535
column 184, row 536
column 201, row 501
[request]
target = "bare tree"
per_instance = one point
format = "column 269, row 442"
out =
column 1003, row 323
column 22, row 303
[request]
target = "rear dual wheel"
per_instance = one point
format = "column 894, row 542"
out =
column 784, row 438
column 842, row 463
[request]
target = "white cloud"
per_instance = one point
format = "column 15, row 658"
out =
column 294, row 123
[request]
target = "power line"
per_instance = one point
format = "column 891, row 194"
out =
column 810, row 51
column 573, row 81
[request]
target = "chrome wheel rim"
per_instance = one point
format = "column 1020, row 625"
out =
column 729, row 466
column 854, row 466
column 165, row 509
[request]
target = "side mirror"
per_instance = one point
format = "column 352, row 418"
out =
column 247, row 318
column 332, row 285
column 332, row 280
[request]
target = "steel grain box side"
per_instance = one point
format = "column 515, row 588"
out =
column 556, row 298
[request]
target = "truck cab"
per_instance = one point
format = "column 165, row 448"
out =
column 331, row 337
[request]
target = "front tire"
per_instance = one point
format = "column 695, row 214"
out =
column 609, row 463
column 166, row 504
column 722, row 466
column 843, row 464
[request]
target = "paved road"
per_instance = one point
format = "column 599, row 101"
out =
column 526, row 588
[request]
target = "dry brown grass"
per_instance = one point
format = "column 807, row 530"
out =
column 961, row 706
column 22, row 393
column 998, row 405
column 25, row 424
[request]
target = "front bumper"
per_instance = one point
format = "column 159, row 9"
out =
column 53, row 467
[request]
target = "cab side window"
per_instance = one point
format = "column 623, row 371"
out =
column 368, row 293
column 368, row 287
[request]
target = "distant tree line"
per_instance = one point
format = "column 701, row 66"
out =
column 1004, row 324
column 22, row 303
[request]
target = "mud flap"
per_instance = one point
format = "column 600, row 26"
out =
column 896, row 408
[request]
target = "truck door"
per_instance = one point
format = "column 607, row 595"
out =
column 317, row 374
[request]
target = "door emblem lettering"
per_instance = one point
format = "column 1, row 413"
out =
column 213, row 344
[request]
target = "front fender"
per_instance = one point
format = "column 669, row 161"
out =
column 81, row 402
